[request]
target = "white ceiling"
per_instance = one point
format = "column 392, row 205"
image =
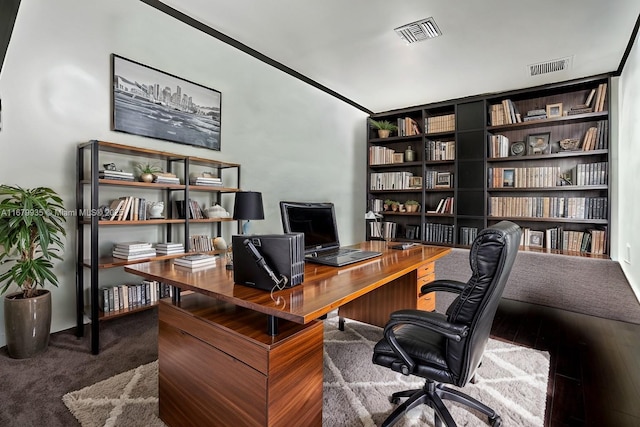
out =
column 350, row 46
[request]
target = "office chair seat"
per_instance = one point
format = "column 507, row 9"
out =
column 447, row 349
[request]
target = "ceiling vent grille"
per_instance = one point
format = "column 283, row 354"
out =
column 419, row 31
column 552, row 66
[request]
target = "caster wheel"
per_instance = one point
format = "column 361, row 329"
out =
column 495, row 422
column 394, row 400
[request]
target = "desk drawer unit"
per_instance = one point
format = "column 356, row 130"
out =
column 426, row 274
column 218, row 366
column 376, row 307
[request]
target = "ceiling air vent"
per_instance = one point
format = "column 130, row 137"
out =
column 419, row 31
column 550, row 66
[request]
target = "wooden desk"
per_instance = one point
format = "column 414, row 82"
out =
column 219, row 366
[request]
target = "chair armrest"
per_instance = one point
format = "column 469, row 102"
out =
column 433, row 321
column 443, row 285
column 428, row 320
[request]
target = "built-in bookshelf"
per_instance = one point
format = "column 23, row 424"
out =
column 538, row 157
column 122, row 220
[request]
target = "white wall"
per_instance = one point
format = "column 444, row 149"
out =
column 293, row 141
column 629, row 169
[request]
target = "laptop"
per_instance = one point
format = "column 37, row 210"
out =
column 317, row 221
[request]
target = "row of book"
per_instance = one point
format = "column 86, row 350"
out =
column 590, row 241
column 383, row 229
column 391, row 180
column 408, row 126
column 437, row 233
column 440, row 150
column 531, row 177
column 435, row 179
column 498, row 146
column 596, row 137
column 549, row 207
column 201, row 243
column 504, row 113
column 127, row 296
column 590, row 173
column 444, row 206
column 191, row 208
column 127, row 208
column 382, row 155
column 436, row 124
column 467, row 235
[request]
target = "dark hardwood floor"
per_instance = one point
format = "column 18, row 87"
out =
column 594, row 377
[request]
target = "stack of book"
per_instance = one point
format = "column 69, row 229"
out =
column 169, row 248
column 119, row 175
column 133, row 251
column 536, row 115
column 196, row 261
column 202, row 180
column 165, row 178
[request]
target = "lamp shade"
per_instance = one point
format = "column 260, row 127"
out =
column 248, row 205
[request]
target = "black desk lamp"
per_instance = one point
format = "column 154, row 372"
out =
column 248, row 206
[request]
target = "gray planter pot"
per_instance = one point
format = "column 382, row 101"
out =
column 27, row 324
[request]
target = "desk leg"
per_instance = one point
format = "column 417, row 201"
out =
column 272, row 326
column 340, row 323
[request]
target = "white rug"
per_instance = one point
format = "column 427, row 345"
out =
column 512, row 380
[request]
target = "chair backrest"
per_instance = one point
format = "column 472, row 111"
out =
column 492, row 255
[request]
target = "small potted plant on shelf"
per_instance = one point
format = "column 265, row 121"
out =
column 412, row 205
column 31, row 231
column 387, row 204
column 147, row 170
column 384, row 127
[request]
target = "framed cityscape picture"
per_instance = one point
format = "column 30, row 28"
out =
column 155, row 104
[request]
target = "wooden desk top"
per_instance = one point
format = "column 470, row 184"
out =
column 324, row 289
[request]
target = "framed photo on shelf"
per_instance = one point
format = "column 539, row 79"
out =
column 415, row 182
column 536, row 239
column 398, row 157
column 508, row 178
column 538, row 143
column 554, row 110
column 152, row 103
column 443, row 180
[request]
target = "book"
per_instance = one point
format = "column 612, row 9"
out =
column 133, row 245
column 195, row 260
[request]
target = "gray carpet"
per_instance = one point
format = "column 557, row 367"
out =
column 592, row 286
column 512, row 380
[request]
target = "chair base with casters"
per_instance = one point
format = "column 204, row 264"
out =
column 432, row 395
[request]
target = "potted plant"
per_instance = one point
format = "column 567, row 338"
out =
column 412, row 205
column 147, row 170
column 384, row 127
column 387, row 204
column 31, row 231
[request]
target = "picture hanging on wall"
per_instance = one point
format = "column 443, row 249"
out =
column 152, row 103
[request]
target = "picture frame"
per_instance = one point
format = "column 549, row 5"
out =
column 443, row 180
column 398, row 157
column 415, row 182
column 536, row 239
column 538, row 143
column 554, row 110
column 509, row 178
column 156, row 104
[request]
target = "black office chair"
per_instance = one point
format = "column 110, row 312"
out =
column 447, row 349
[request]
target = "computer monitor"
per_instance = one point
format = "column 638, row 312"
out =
column 317, row 220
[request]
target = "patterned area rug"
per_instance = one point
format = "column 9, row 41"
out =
column 512, row 380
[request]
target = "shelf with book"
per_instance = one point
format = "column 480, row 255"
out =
column 548, row 163
column 546, row 142
column 145, row 210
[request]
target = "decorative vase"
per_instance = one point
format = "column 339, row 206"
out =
column 146, row 177
column 27, row 323
column 156, row 210
column 383, row 133
column 409, row 155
